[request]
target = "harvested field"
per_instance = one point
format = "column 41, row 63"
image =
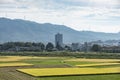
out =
column 10, row 73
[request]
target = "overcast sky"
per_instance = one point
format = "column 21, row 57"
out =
column 93, row 15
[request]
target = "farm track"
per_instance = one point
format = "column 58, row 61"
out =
column 10, row 73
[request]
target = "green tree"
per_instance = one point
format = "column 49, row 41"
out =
column 42, row 46
column 96, row 48
column 8, row 45
column 35, row 44
column 49, row 47
column 68, row 48
column 28, row 44
column 19, row 44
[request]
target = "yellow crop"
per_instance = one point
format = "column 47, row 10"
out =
column 19, row 58
column 14, row 64
column 97, row 64
column 14, row 58
column 68, row 71
column 94, row 60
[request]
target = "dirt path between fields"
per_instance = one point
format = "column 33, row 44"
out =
column 10, row 73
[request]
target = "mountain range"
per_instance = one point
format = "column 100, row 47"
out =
column 29, row 31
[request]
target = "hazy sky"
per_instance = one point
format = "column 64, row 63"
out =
column 94, row 15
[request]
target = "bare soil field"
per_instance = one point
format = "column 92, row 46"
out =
column 10, row 73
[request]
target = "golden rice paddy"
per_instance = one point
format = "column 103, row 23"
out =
column 68, row 71
column 14, row 58
column 14, row 64
column 39, row 72
column 97, row 64
column 19, row 58
column 95, row 60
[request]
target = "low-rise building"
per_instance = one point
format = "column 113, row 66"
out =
column 111, row 49
column 75, row 46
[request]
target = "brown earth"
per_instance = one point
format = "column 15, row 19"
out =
column 11, row 73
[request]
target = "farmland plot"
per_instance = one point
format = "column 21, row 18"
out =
column 69, row 71
column 98, row 64
column 14, row 58
column 65, row 67
column 94, row 60
column 14, row 64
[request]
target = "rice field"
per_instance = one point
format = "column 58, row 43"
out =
column 67, row 68
column 69, row 71
column 97, row 64
column 14, row 64
column 14, row 58
column 95, row 60
column 88, row 77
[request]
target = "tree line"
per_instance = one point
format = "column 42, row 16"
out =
column 27, row 46
column 40, row 47
column 32, row 46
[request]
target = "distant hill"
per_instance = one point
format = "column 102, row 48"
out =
column 22, row 30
